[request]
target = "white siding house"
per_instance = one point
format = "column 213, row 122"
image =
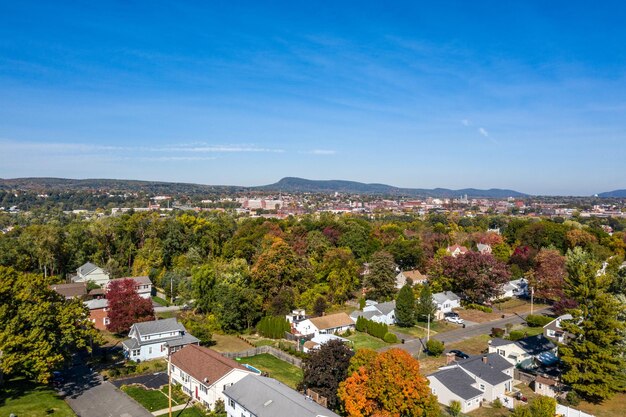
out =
column 91, row 272
column 445, row 302
column 380, row 313
column 152, row 339
column 330, row 324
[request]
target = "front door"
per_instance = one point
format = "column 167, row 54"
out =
column 197, row 398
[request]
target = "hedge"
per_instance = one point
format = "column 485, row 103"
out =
column 273, row 327
column 536, row 320
column 373, row 328
column 474, row 306
column 517, row 335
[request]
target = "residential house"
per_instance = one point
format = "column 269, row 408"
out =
column 98, row 312
column 521, row 287
column 204, row 374
column 555, row 332
column 379, row 312
column 484, row 249
column 91, row 272
column 472, row 380
column 258, row 396
column 525, row 352
column 545, row 386
column 319, row 339
column 445, row 302
column 152, row 339
column 72, row 290
column 414, row 275
column 330, row 324
column 456, row 250
column 143, row 285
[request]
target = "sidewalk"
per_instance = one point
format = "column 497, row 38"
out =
column 166, row 410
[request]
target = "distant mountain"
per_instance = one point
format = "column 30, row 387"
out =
column 293, row 184
column 613, row 194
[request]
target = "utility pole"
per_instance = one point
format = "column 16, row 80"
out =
column 171, row 289
column 428, row 327
column 169, row 380
column 532, row 298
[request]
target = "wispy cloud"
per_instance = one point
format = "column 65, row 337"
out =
column 216, row 148
column 483, row 132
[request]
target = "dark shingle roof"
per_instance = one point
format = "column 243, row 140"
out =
column 532, row 345
column 266, row 397
column 159, row 326
column 490, row 370
column 386, row 308
column 87, row 268
column 458, row 381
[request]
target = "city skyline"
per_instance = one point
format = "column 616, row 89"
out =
column 526, row 97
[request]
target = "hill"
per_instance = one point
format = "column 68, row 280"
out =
column 613, row 194
column 293, row 184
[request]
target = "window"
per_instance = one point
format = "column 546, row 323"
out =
column 231, row 403
column 150, row 350
column 551, row 333
column 173, row 368
column 106, row 320
column 481, row 387
column 203, row 389
column 501, row 352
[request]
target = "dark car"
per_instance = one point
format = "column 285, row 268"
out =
column 459, row 354
column 451, row 314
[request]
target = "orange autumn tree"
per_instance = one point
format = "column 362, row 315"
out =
column 387, row 384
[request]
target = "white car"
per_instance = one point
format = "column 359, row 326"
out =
column 456, row 320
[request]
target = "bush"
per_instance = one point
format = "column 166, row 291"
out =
column 497, row 332
column 373, row 328
column 455, row 408
column 273, row 327
column 361, row 303
column 572, row 398
column 390, row 338
column 347, row 333
column 474, row 306
column 535, row 320
column 435, row 347
column 496, row 403
column 517, row 335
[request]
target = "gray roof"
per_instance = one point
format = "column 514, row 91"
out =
column 131, row 344
column 87, row 268
column 186, row 339
column 533, row 345
column 387, row 307
column 367, row 314
column 266, row 397
column 97, row 303
column 442, row 297
column 490, row 371
column 142, row 280
column 458, row 381
column 158, row 326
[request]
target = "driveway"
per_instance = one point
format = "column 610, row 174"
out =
column 151, row 381
column 90, row 396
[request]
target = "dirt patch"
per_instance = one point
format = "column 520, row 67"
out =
column 229, row 343
column 478, row 316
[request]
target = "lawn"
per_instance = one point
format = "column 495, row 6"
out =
column 151, row 400
column 284, row 372
column 471, row 346
column 229, row 343
column 611, row 408
column 24, row 398
column 190, row 411
column 409, row 331
column 363, row 340
column 168, row 314
column 160, row 301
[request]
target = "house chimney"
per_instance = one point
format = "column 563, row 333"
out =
column 450, row 357
column 484, row 359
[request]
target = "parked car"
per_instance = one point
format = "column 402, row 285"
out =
column 459, row 354
column 456, row 320
column 451, row 314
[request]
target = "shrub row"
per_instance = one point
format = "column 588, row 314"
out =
column 536, row 320
column 474, row 306
column 273, row 327
column 378, row 330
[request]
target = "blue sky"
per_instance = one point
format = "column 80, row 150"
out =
column 523, row 95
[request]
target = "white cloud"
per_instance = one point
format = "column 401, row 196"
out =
column 322, row 152
column 483, row 132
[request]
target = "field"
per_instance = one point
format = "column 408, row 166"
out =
column 24, row 398
column 284, row 372
column 229, row 343
column 363, row 340
column 611, row 408
column 151, row 400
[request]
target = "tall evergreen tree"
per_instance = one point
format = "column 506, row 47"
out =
column 381, row 281
column 405, row 307
column 425, row 305
column 594, row 358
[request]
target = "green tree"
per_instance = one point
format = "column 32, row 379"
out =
column 538, row 407
column 39, row 329
column 405, row 307
column 425, row 305
column 455, row 408
column 381, row 280
column 594, row 357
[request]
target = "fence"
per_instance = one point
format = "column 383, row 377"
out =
column 564, row 411
column 524, row 376
column 266, row 349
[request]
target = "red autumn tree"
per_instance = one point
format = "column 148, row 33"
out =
column 387, row 384
column 478, row 277
column 126, row 307
column 548, row 276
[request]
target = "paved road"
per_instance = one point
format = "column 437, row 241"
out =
column 414, row 346
column 90, row 396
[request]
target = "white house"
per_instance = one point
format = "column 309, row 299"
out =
column 91, row 272
column 330, row 324
column 554, row 330
column 484, row 249
column 258, row 396
column 414, row 275
column 524, row 352
column 203, row 374
column 456, row 250
column 445, row 302
column 379, row 312
column 143, row 285
column 319, row 340
column 152, row 339
column 472, row 380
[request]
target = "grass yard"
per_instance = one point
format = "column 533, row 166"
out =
column 229, row 343
column 363, row 340
column 191, row 411
column 25, row 398
column 611, row 408
column 151, row 400
column 471, row 346
column 478, row 316
column 409, row 331
column 160, row 301
column 530, row 331
column 168, row 314
column 285, row 372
